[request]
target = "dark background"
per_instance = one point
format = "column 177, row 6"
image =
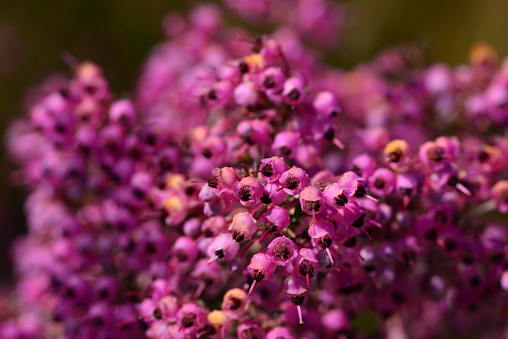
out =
column 118, row 35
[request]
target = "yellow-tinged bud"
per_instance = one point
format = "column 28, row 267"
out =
column 217, row 317
column 482, row 54
column 255, row 61
column 396, row 150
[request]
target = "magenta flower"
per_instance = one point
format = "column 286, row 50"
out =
column 244, row 226
column 260, row 267
column 282, row 251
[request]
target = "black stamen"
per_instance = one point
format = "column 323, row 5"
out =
column 282, row 252
column 360, row 192
column 341, row 200
column 294, row 95
column 292, row 182
column 297, row 299
column 265, row 199
column 306, row 269
column 267, row 170
column 244, row 193
column 359, row 222
column 270, row 227
column 213, row 181
column 257, row 275
column 238, row 236
column 312, row 206
column 220, row 254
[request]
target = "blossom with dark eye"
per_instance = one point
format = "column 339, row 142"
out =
column 272, row 168
column 234, row 303
column 244, row 226
column 382, row 182
column 276, row 219
column 353, row 185
column 249, row 329
column 189, row 318
column 221, row 323
column 248, row 191
column 397, row 153
column 123, row 112
column 439, row 154
column 285, row 143
column 260, row 267
column 406, row 186
column 322, row 235
column 272, row 195
column 296, row 289
column 222, row 248
column 185, row 250
column 363, row 165
column 335, row 196
column 325, row 103
column 306, row 264
column 294, row 180
column 294, row 91
column 222, row 178
column 282, row 251
column 311, row 200
column 272, row 81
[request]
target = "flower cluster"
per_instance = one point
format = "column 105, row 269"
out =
column 250, row 190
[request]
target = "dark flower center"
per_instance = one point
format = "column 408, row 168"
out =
column 341, row 200
column 234, row 303
column 181, row 256
column 267, row 170
column 395, row 156
column 282, row 252
column 330, row 134
column 292, row 182
column 265, row 199
column 359, row 222
column 257, row 275
column 360, row 192
column 312, row 206
column 306, row 268
column 436, row 154
column 157, row 313
column 243, row 67
column 325, row 242
column 269, row 82
column 238, row 236
column 294, row 95
column 213, row 181
column 285, row 151
column 220, row 254
column 297, row 299
column 270, row 227
column 188, row 320
column 350, row 242
column 483, row 156
column 212, row 95
column 379, row 183
column 244, row 193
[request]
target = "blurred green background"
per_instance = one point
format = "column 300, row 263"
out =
column 118, row 35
